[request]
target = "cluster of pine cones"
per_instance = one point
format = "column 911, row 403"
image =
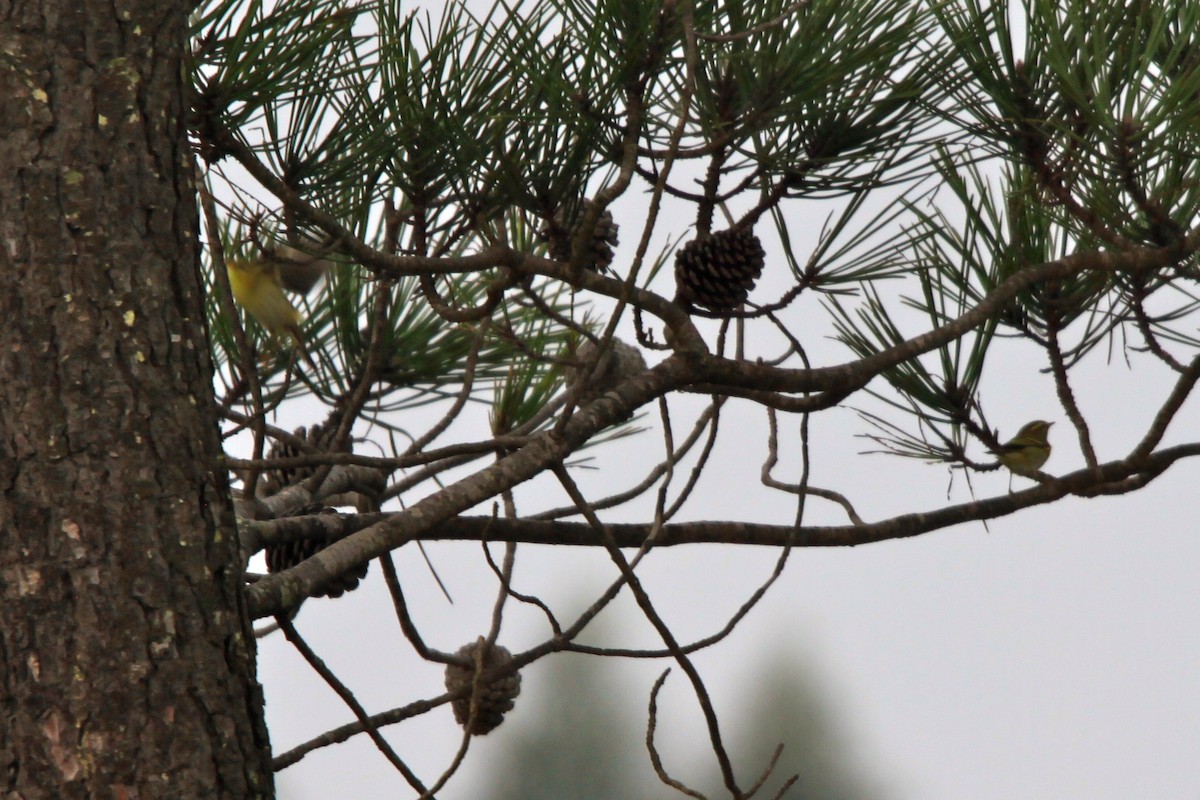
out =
column 289, row 554
column 714, row 273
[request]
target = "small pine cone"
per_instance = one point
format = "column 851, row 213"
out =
column 289, row 554
column 560, row 230
column 717, row 272
column 279, row 478
column 495, row 698
column 624, row 361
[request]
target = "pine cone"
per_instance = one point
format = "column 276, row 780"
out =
column 495, row 698
column 560, row 231
column 279, row 478
column 289, row 554
column 717, row 272
column 624, row 361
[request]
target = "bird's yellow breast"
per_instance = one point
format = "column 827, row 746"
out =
column 257, row 289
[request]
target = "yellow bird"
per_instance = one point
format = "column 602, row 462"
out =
column 258, row 286
column 1026, row 452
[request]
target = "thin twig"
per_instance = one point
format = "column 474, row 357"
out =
column 1065, row 395
column 350, row 700
column 249, row 370
column 664, row 632
column 400, row 605
column 655, row 758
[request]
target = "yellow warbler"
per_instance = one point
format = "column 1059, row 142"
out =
column 258, row 287
column 1026, row 452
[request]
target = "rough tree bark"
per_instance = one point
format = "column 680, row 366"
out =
column 126, row 668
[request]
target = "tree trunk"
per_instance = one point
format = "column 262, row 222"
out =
column 126, row 661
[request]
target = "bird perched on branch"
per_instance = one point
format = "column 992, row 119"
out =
column 1025, row 453
column 258, row 286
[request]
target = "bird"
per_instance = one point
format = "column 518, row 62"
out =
column 258, row 286
column 1025, row 453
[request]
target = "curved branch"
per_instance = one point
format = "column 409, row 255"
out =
column 284, row 589
column 854, row 375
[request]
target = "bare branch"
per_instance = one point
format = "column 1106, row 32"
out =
column 351, row 701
